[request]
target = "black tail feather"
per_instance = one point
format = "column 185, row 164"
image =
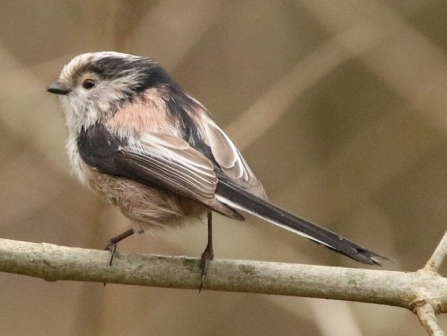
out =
column 236, row 197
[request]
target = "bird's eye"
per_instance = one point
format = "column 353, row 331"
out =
column 88, row 83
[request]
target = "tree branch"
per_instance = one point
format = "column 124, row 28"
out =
column 425, row 310
column 52, row 262
column 438, row 256
column 427, row 316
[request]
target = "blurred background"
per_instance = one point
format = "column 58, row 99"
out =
column 340, row 107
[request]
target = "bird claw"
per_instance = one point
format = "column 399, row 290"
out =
column 205, row 259
column 111, row 246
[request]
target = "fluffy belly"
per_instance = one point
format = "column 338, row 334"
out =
column 145, row 206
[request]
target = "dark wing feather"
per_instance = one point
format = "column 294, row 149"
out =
column 162, row 161
column 244, row 200
column 157, row 170
column 231, row 162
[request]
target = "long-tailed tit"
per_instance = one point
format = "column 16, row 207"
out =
column 143, row 143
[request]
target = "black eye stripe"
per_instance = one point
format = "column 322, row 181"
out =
column 145, row 73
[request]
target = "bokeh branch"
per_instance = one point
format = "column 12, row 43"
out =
column 52, row 263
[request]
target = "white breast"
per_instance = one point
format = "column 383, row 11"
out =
column 79, row 168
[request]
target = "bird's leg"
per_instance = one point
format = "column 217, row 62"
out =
column 208, row 254
column 111, row 246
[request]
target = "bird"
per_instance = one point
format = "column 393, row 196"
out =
column 142, row 142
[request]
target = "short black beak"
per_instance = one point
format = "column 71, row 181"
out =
column 58, row 88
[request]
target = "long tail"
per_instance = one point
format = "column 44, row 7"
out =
column 240, row 199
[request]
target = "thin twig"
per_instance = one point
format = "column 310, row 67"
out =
column 427, row 316
column 425, row 309
column 434, row 263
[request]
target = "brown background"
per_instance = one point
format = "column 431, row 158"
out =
column 339, row 106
